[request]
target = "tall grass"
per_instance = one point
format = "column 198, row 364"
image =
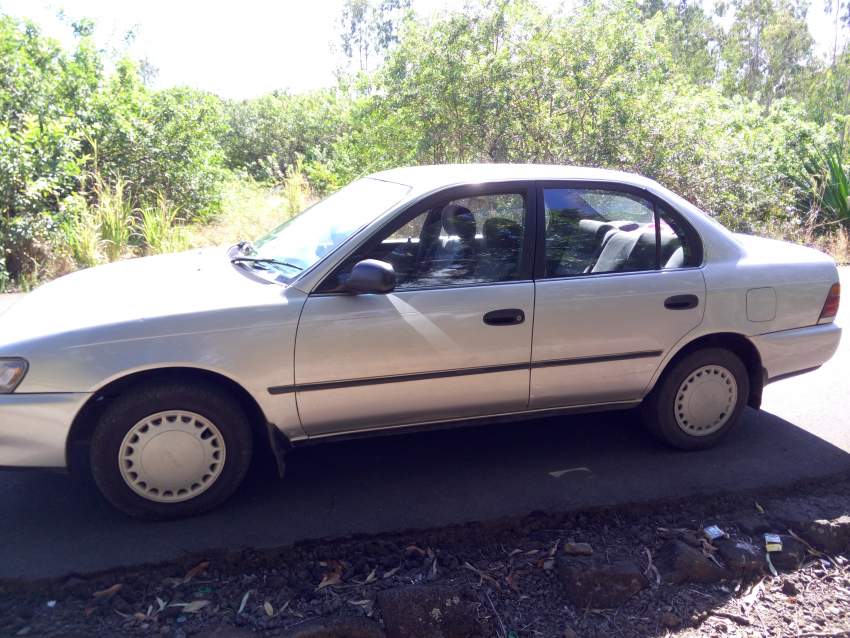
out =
column 81, row 228
column 109, row 226
column 101, row 230
column 160, row 227
column 296, row 190
column 114, row 210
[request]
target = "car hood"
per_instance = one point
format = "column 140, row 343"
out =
column 136, row 292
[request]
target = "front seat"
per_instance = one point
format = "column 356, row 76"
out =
column 502, row 243
column 454, row 257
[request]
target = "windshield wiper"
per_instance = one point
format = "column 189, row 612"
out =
column 264, row 260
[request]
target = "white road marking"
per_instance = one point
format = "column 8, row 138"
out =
column 559, row 473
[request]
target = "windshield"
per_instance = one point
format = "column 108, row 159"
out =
column 300, row 242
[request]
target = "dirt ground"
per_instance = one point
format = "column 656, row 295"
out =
column 635, row 571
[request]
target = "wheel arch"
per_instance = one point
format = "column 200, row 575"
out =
column 734, row 342
column 264, row 433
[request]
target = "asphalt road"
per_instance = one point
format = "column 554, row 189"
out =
column 52, row 525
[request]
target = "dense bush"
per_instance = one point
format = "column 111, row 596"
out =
column 95, row 165
column 602, row 87
column 268, row 135
column 67, row 130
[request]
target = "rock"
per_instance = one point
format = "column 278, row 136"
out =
column 832, row 536
column 340, row 627
column 599, row 586
column 792, row 555
column 578, row 549
column 670, row 620
column 741, row 558
column 810, row 519
column 427, row 611
column 789, row 588
column 678, row 562
column 74, row 584
column 751, row 523
column 569, row 633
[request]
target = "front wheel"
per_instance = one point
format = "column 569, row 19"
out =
column 170, row 450
column 699, row 400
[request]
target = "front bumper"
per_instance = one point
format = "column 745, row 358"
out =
column 34, row 428
column 788, row 351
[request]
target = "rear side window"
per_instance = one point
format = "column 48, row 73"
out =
column 595, row 231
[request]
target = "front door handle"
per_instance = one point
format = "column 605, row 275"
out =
column 504, row 317
column 681, row 302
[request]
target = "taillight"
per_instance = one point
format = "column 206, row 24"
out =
column 830, row 306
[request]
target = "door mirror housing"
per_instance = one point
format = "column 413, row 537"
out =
column 371, row 276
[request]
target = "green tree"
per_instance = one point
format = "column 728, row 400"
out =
column 368, row 28
column 768, row 51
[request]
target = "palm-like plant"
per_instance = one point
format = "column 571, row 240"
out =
column 826, row 180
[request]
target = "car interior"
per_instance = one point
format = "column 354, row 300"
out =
column 595, row 246
column 450, row 244
column 480, row 240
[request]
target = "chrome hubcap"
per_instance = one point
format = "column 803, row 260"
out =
column 171, row 456
column 705, row 400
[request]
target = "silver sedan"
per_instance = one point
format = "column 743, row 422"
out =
column 411, row 298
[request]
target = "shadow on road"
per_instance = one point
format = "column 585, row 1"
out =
column 52, row 525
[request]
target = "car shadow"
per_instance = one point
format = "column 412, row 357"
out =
column 54, row 526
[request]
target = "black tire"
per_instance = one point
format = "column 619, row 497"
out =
column 659, row 408
column 140, row 402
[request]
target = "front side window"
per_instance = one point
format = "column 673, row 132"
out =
column 471, row 240
column 303, row 240
column 598, row 230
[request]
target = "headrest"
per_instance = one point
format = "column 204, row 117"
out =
column 459, row 220
column 500, row 232
column 677, row 259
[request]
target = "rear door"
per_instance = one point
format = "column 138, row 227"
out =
column 618, row 284
column 452, row 340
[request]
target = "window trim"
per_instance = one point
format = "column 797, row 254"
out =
column 659, row 205
column 526, row 188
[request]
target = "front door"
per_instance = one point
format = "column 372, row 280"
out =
column 452, row 340
column 618, row 286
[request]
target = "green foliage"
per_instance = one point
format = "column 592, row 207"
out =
column 369, row 27
column 826, row 180
column 114, row 214
column 296, row 190
column 81, row 229
column 268, row 135
column 769, row 49
column 95, row 165
column 160, row 228
column 63, row 119
column 602, row 86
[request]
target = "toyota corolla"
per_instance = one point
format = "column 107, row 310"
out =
column 416, row 297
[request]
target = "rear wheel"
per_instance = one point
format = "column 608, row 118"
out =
column 699, row 400
column 170, row 450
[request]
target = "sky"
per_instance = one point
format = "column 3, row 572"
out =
column 240, row 49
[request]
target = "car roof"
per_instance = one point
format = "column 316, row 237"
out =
column 436, row 176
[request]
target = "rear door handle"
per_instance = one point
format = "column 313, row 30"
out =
column 681, row 302
column 504, row 317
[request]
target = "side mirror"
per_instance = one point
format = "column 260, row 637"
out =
column 371, row 275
